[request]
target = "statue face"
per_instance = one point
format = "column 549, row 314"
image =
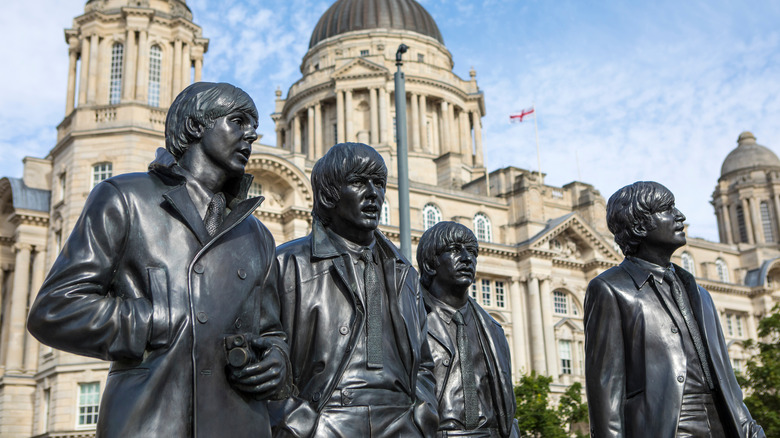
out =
column 668, row 233
column 457, row 266
column 359, row 206
column 228, row 144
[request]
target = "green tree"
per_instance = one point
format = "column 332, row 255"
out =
column 535, row 416
column 762, row 381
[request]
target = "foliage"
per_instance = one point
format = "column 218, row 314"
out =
column 762, row 381
column 537, row 418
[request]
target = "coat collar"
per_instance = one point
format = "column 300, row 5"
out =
column 636, row 272
column 323, row 247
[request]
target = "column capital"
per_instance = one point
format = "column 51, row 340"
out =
column 22, row 246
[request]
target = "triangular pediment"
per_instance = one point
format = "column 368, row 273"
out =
column 571, row 238
column 360, row 68
column 573, row 326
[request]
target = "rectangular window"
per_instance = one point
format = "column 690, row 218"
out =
column 738, row 323
column 155, row 73
column 89, row 401
column 46, row 408
column 100, row 172
column 420, row 57
column 766, row 222
column 729, row 324
column 560, row 303
column 743, row 237
column 115, row 84
column 62, row 186
column 335, row 133
column 486, row 301
column 500, row 300
column 255, row 190
column 564, row 350
column 736, row 364
column 364, row 53
column 474, row 290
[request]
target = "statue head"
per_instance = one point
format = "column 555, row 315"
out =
column 349, row 188
column 643, row 214
column 448, row 249
column 199, row 106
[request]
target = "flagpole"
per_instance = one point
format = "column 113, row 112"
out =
column 538, row 157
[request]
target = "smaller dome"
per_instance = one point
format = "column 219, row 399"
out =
column 748, row 155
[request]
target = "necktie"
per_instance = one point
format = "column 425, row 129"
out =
column 214, row 213
column 374, row 307
column 690, row 322
column 470, row 400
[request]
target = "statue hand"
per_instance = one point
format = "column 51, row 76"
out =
column 266, row 378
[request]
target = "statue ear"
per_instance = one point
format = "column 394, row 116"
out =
column 639, row 229
column 428, row 268
column 194, row 128
column 326, row 200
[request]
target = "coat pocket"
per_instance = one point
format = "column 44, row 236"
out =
column 161, row 307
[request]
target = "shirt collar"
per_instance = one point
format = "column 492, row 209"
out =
column 352, row 249
column 650, row 269
column 445, row 311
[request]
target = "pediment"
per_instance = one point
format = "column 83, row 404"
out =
column 572, row 326
column 570, row 238
column 360, row 68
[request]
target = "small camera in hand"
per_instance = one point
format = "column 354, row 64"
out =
column 239, row 351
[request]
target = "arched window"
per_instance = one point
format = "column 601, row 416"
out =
column 563, row 304
column 482, row 228
column 766, row 223
column 687, row 263
column 431, row 216
column 155, row 72
column 115, row 83
column 723, row 270
column 384, row 218
column 743, row 236
column 101, row 171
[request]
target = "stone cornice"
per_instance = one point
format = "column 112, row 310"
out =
column 27, row 217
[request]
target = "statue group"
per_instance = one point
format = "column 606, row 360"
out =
column 212, row 331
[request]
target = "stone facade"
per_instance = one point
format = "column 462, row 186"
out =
column 539, row 244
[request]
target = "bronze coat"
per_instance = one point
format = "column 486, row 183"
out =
column 634, row 356
column 320, row 317
column 140, row 283
column 443, row 347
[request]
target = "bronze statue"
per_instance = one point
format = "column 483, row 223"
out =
column 352, row 309
column 470, row 350
column 169, row 276
column 657, row 364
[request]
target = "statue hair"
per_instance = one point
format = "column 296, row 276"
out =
column 436, row 239
column 631, row 207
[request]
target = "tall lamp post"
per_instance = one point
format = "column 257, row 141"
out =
column 403, row 155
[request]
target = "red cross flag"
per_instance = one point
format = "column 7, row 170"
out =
column 518, row 117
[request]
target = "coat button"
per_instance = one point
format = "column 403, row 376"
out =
column 316, row 397
column 346, row 397
column 198, row 268
column 238, row 323
column 343, row 330
column 241, row 273
column 674, row 329
column 446, row 362
column 680, row 379
column 202, row 317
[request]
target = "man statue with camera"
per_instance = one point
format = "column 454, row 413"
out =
column 169, row 276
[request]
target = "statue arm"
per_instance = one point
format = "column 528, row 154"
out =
column 76, row 309
column 605, row 370
column 426, row 410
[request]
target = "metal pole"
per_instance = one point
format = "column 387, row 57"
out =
column 403, row 155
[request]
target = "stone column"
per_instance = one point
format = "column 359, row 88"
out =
column 726, row 222
column 142, row 75
column 93, row 69
column 70, row 101
column 186, row 66
column 776, row 220
column 84, row 75
column 453, row 133
column 31, row 344
column 383, row 116
column 465, row 139
column 349, row 133
column 177, row 80
column 479, row 157
column 18, row 313
column 340, row 116
column 318, row 131
column 310, row 132
column 198, row 68
column 374, row 116
column 436, row 147
column 747, row 216
column 518, row 327
column 424, row 146
column 755, row 213
column 415, row 119
column 446, row 134
column 131, row 52
column 538, row 362
column 551, row 350
column 296, row 134
column 279, row 136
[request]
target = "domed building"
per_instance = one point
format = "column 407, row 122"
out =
column 540, row 245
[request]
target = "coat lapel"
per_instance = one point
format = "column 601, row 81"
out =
column 180, row 200
column 438, row 331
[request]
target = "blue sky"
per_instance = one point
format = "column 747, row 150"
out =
column 624, row 90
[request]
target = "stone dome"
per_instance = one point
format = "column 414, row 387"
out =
column 350, row 15
column 748, row 155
